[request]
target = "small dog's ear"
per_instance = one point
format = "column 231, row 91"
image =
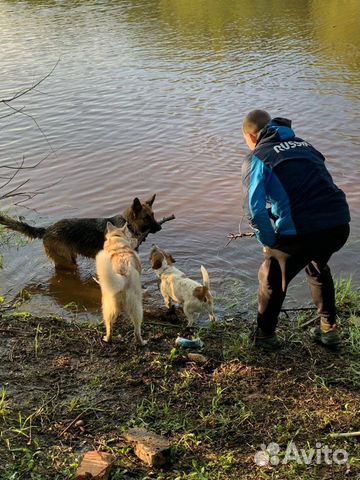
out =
column 136, row 206
column 156, row 260
column 109, row 227
column 170, row 258
column 156, row 264
column 151, row 200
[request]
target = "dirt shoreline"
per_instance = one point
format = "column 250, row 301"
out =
column 216, row 416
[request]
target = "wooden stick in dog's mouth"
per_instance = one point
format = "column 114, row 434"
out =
column 160, row 222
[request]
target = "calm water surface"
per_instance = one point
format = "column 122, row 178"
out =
column 149, row 96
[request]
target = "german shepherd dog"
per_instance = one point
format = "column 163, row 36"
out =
column 118, row 268
column 66, row 239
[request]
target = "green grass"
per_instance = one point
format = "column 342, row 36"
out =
column 4, row 403
column 215, row 415
column 347, row 297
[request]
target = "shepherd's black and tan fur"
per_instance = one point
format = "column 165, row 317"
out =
column 66, row 239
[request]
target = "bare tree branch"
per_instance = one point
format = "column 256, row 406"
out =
column 27, row 90
column 15, row 110
column 16, row 191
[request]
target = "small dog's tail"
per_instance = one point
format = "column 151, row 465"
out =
column 109, row 280
column 205, row 275
column 22, row 227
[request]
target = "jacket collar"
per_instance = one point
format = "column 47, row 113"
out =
column 277, row 130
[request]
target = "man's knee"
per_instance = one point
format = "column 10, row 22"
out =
column 318, row 270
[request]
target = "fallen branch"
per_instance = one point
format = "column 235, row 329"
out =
column 81, row 414
column 144, row 235
column 235, row 236
column 346, row 434
column 310, row 321
column 298, row 309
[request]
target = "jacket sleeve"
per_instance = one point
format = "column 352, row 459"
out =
column 254, row 176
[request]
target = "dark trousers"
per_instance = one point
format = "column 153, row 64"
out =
column 285, row 260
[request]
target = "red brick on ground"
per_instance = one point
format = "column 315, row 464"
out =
column 95, row 465
column 149, row 447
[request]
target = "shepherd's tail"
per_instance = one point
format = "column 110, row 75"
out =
column 22, row 227
column 205, row 275
column 110, row 281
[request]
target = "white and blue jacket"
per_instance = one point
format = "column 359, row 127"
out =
column 290, row 175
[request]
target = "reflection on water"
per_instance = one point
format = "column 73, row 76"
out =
column 149, row 97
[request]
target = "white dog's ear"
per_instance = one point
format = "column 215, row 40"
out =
column 151, row 200
column 110, row 227
column 127, row 231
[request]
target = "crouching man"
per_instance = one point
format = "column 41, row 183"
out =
column 307, row 222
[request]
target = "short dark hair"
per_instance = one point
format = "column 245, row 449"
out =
column 255, row 121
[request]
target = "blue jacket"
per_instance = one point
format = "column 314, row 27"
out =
column 290, row 175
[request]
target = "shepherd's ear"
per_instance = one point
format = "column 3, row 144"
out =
column 172, row 259
column 136, row 206
column 109, row 227
column 151, row 200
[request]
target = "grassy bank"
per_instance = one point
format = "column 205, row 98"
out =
column 216, row 415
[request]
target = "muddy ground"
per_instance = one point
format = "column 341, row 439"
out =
column 55, row 371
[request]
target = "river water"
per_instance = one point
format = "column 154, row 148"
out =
column 148, row 97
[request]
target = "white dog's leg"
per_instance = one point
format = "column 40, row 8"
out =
column 135, row 311
column 110, row 310
column 212, row 315
column 166, row 297
column 189, row 315
column 168, row 302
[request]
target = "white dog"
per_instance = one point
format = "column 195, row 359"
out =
column 118, row 268
column 176, row 287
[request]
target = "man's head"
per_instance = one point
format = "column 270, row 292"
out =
column 252, row 124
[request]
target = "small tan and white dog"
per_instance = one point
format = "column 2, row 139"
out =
column 118, row 269
column 176, row 287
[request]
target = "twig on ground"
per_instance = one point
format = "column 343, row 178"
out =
column 310, row 321
column 346, row 434
column 163, row 324
column 81, row 414
column 144, row 235
column 297, row 309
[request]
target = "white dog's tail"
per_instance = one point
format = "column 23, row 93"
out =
column 110, row 281
column 205, row 275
